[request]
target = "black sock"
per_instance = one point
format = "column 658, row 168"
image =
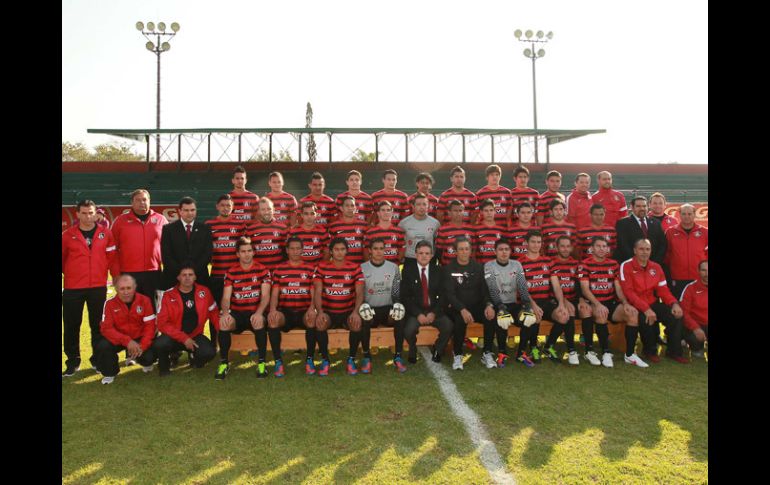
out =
column 534, row 331
column 588, row 333
column 366, row 338
column 556, row 330
column 274, row 334
column 323, row 343
column 604, row 337
column 261, row 337
column 569, row 334
column 310, row 339
column 489, row 335
column 224, row 344
column 502, row 339
column 398, row 335
column 631, row 333
column 523, row 339
column 353, row 339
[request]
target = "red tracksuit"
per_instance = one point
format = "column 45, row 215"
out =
column 695, row 305
column 84, row 267
column 685, row 251
column 614, row 205
column 121, row 324
column 578, row 208
column 643, row 286
column 138, row 244
column 171, row 312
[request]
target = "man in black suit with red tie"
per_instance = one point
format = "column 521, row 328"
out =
column 638, row 226
column 423, row 303
column 184, row 241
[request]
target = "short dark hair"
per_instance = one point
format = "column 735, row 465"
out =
column 389, row 171
column 638, row 197
column 455, row 202
column 187, row 264
column 239, row 169
column 292, row 239
column 595, row 207
column 275, row 174
column 376, row 240
column 596, row 239
column 493, row 169
column 224, row 197
column 581, row 174
column 552, row 173
column 338, row 240
column 353, row 172
column 563, row 236
column 308, row 203
column 701, row 263
column 556, row 202
column 382, row 203
column 422, row 244
column 520, row 169
column 424, row 175
column 186, row 201
column 525, row 204
column 242, row 241
column 316, row 176
column 461, row 239
column 419, row 195
column 486, row 202
column 347, row 197
column 456, row 169
column 502, row 240
column 85, row 203
column 533, row 233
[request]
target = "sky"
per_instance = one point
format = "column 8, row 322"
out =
column 637, row 69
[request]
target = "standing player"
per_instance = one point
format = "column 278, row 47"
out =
column 325, row 207
column 419, row 226
column 499, row 195
column 398, row 200
column 267, row 235
column 543, row 209
column 363, row 201
column 349, row 227
column 658, row 211
column 457, row 192
column 284, row 204
column 517, row 235
column 314, row 237
column 555, row 227
column 488, row 232
column 244, row 201
column 521, row 192
column 393, row 235
column 453, row 229
column 613, row 201
column 598, row 227
column 424, row 182
column 579, row 203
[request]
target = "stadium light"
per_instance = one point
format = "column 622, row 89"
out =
column 157, row 48
column 533, row 54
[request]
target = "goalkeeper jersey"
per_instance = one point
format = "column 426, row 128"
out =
column 382, row 283
column 504, row 282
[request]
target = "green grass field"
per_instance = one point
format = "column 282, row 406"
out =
column 550, row 424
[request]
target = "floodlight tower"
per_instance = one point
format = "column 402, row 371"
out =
column 534, row 55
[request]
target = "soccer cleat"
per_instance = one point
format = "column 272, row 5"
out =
column 524, row 359
column 469, row 344
column 635, row 360
column 147, row 368
column 399, row 364
column 457, row 363
column 536, row 355
column 324, row 370
column 501, row 358
column 366, row 366
column 607, row 360
column 130, row 362
column 681, row 359
column 551, row 353
column 309, row 367
column 572, row 358
column 592, row 358
column 654, row 358
column 70, row 371
column 222, row 369
column 261, row 370
column 279, row 370
column 351, row 367
column 488, row 359
column 697, row 354
column 108, row 379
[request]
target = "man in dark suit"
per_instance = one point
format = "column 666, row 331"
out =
column 639, row 226
column 186, row 240
column 423, row 307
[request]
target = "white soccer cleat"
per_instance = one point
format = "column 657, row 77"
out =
column 457, row 364
column 488, row 359
column 592, row 358
column 107, row 380
column 147, row 368
column 607, row 360
column 397, row 312
column 634, row 359
column 366, row 312
column 573, row 359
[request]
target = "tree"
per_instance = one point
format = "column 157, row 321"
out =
column 263, row 155
column 311, row 150
column 107, row 152
column 362, row 156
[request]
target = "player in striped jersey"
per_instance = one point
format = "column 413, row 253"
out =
column 424, row 182
column 398, row 200
column 555, row 227
column 517, row 235
column 658, row 211
column 498, row 194
column 339, row 292
column 284, row 204
column 457, row 192
column 600, row 285
column 362, row 200
column 291, row 304
column 350, row 228
column 488, row 232
column 245, row 298
column 314, row 236
column 325, row 206
column 564, row 283
column 521, row 192
column 598, row 227
column 450, row 231
column 267, row 235
column 543, row 208
column 394, row 236
column 244, row 201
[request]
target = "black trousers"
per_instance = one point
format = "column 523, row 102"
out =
column 689, row 337
column 107, row 357
column 72, row 314
column 677, row 286
column 147, row 283
column 649, row 333
column 165, row 345
column 412, row 328
column 459, row 327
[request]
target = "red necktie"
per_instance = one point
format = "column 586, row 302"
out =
column 644, row 226
column 425, row 295
column 189, row 226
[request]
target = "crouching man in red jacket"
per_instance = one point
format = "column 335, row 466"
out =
column 184, row 311
column 128, row 322
column 695, row 305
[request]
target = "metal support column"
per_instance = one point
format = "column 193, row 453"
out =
column 463, row 137
column 376, row 147
column 299, row 154
column 208, row 151
column 492, row 142
column 270, row 147
column 239, row 147
column 406, row 147
column 434, row 148
column 179, row 151
column 518, row 137
column 330, row 147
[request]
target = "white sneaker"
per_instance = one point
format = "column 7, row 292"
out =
column 130, row 362
column 592, row 358
column 107, row 380
column 634, row 359
column 573, row 359
column 607, row 359
column 488, row 359
column 147, row 368
column 457, row 364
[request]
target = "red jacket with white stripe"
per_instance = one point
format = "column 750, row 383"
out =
column 685, row 251
column 644, row 285
column 695, row 305
column 172, row 310
column 121, row 324
column 138, row 244
column 578, row 208
column 84, row 267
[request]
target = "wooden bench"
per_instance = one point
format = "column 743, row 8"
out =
column 383, row 337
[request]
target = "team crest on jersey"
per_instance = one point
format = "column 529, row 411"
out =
column 189, row 304
column 201, row 294
column 572, row 270
column 653, row 272
column 101, row 235
column 580, row 268
column 233, row 230
column 303, row 276
column 139, row 309
column 282, row 205
column 387, row 276
column 347, row 277
column 696, row 234
column 315, row 240
column 616, row 198
column 358, row 231
column 545, row 267
column 393, row 237
column 610, row 271
column 254, row 279
column 153, row 220
column 502, row 200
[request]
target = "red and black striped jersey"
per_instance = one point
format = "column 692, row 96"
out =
column 247, row 286
column 600, row 276
column 395, row 240
column 566, row 270
column 544, row 202
column 224, row 235
column 338, row 285
column 468, row 198
column 364, row 205
column 284, row 205
column 519, row 196
column 295, row 284
column 326, row 209
column 538, row 275
column 447, row 234
column 501, row 196
column 354, row 233
column 268, row 240
column 244, row 204
column 551, row 231
column 486, row 237
column 517, row 236
column 586, row 234
column 399, row 201
column 432, row 204
column 314, row 240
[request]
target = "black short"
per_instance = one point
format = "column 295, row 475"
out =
column 611, row 306
column 382, row 316
column 548, row 305
column 293, row 320
column 242, row 322
column 338, row 320
column 513, row 309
